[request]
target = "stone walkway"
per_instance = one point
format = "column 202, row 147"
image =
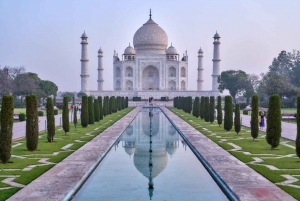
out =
column 56, row 183
column 246, row 183
column 289, row 130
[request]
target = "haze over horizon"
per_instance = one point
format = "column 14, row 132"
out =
column 44, row 36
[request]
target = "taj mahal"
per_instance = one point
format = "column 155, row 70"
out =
column 150, row 67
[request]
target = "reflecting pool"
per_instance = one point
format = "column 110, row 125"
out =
column 150, row 161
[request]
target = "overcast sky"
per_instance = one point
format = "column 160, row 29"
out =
column 44, row 35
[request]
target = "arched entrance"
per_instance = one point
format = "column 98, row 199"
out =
column 150, row 78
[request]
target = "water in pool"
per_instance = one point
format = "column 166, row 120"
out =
column 136, row 169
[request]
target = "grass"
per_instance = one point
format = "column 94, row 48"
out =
column 283, row 157
column 45, row 150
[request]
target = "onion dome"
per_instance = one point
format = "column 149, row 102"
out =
column 84, row 35
column 150, row 38
column 129, row 50
column 100, row 50
column 171, row 50
column 200, row 51
column 217, row 35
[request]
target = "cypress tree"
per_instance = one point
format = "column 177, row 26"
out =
column 75, row 117
column 196, row 107
column 254, row 116
column 228, row 123
column 65, row 115
column 91, row 110
column 96, row 110
column 107, row 105
column 237, row 116
column 50, row 120
column 32, row 122
column 84, row 111
column 202, row 107
column 110, row 105
column 189, row 104
column 220, row 115
column 104, row 106
column 274, row 121
column 126, row 102
column 212, row 109
column 100, row 107
column 298, row 126
column 206, row 110
column 7, row 113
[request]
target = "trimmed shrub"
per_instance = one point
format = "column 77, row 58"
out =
column 7, row 113
column 206, row 110
column 55, row 112
column 219, row 109
column 126, row 102
column 228, row 121
column 22, row 117
column 50, row 120
column 202, row 107
column 91, row 110
column 100, row 107
column 75, row 117
column 65, row 115
column 298, row 126
column 196, row 107
column 189, row 104
column 274, row 121
column 41, row 113
column 245, row 112
column 254, row 116
column 32, row 122
column 110, row 105
column 84, row 111
column 237, row 117
column 96, row 110
column 212, row 109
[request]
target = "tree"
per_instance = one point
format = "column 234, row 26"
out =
column 32, row 125
column 75, row 117
column 7, row 112
column 274, row 121
column 281, row 65
column 237, row 117
column 80, row 94
column 96, row 110
column 126, row 102
column 48, row 87
column 189, row 104
column 19, row 88
column 202, row 107
column 212, row 109
column 91, row 110
column 40, row 94
column 100, row 107
column 69, row 95
column 219, row 115
column 233, row 81
column 196, row 107
column 65, row 115
column 111, row 105
column 206, row 103
column 298, row 127
column 84, row 112
column 254, row 117
column 50, row 120
column 228, row 123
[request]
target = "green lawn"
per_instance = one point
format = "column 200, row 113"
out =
column 283, row 158
column 23, row 159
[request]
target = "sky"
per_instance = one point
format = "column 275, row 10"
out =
column 44, row 36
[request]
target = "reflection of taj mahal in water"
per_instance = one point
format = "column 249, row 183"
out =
column 150, row 68
column 165, row 140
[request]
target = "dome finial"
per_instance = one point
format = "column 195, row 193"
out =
column 129, row 44
column 150, row 13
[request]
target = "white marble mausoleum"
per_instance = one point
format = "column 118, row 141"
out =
column 150, row 68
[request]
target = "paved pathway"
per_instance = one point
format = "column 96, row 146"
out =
column 246, row 183
column 19, row 128
column 289, row 130
column 56, row 183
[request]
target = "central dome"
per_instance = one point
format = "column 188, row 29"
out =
column 150, row 38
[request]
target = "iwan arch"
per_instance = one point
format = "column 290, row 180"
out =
column 150, row 67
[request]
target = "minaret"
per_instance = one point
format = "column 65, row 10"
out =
column 216, row 62
column 84, row 64
column 100, row 70
column 200, row 71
